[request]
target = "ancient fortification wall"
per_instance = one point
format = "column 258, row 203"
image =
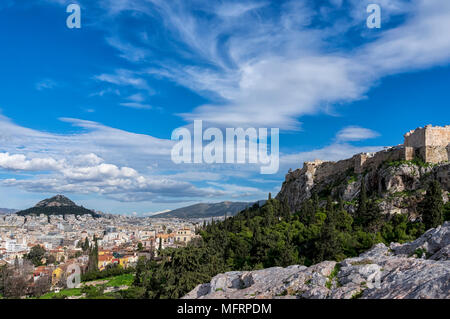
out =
column 431, row 144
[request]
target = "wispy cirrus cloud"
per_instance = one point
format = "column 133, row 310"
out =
column 136, row 105
column 46, row 84
column 128, row 51
column 123, row 77
column 258, row 63
column 272, row 65
column 136, row 101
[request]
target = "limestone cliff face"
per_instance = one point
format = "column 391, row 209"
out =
column 399, row 185
column 425, row 155
column 420, row 269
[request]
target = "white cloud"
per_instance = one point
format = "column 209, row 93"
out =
column 258, row 69
column 232, row 10
column 102, row 160
column 20, row 162
column 275, row 92
column 355, row 133
column 89, row 175
column 128, row 51
column 123, row 77
column 270, row 70
column 138, row 97
column 102, row 93
column 269, row 67
column 45, row 84
column 418, row 43
column 130, row 167
column 135, row 105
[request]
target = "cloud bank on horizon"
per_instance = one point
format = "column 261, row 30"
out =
column 281, row 64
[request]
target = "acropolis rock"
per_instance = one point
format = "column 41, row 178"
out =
column 428, row 146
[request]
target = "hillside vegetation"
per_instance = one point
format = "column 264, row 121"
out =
column 267, row 236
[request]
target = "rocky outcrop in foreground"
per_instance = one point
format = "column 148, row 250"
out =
column 420, row 269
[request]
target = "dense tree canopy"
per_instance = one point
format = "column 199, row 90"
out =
column 36, row 255
column 270, row 235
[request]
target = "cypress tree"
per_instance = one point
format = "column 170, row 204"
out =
column 341, row 204
column 328, row 247
column 315, row 202
column 329, row 207
column 432, row 206
column 308, row 213
column 447, row 211
column 361, row 212
column 93, row 258
column 285, row 209
column 86, row 244
column 374, row 217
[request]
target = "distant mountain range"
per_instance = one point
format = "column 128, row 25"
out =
column 57, row 205
column 7, row 211
column 204, row 210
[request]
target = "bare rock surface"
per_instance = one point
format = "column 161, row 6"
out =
column 395, row 272
column 400, row 187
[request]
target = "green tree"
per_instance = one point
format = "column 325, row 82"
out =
column 93, row 257
column 160, row 245
column 373, row 220
column 328, row 246
column 432, row 206
column 447, row 211
column 361, row 211
column 308, row 212
column 268, row 236
column 86, row 245
column 36, row 255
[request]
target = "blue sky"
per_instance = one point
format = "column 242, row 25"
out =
column 89, row 112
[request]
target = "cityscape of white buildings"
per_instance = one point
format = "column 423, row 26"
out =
column 61, row 235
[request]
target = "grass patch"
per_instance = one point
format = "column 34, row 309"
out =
column 405, row 193
column 358, row 295
column 352, row 178
column 122, row 280
column 283, row 293
column 63, row 293
column 415, row 162
column 421, row 252
column 116, row 281
column 333, row 276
